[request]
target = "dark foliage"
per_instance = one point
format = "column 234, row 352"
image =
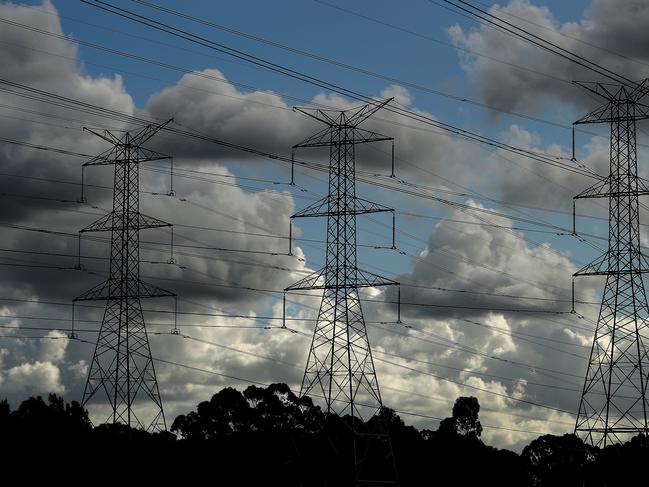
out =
column 464, row 421
column 270, row 436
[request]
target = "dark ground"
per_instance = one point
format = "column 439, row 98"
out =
column 272, row 437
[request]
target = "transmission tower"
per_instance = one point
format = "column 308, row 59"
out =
column 122, row 368
column 613, row 404
column 340, row 367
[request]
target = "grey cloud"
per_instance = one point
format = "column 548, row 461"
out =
column 263, row 120
column 522, row 180
column 36, row 362
column 486, row 259
column 60, row 128
column 243, row 118
column 456, row 258
column 616, row 26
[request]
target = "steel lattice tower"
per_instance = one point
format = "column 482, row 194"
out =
column 340, row 367
column 614, row 404
column 122, row 367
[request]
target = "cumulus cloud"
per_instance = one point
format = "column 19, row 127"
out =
column 53, row 350
column 521, row 180
column 612, row 34
column 482, row 343
column 265, row 121
column 33, row 378
column 533, row 81
column 218, row 108
column 457, row 257
column 490, row 260
column 201, row 274
column 27, row 64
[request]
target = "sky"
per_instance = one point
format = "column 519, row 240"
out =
column 526, row 367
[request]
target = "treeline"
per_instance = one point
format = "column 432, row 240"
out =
column 269, row 436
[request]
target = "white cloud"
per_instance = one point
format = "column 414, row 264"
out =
column 53, row 350
column 33, row 378
column 221, row 110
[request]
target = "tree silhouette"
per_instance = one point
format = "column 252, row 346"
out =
column 465, row 420
column 270, row 435
column 271, row 409
column 558, row 460
column 278, row 409
column 4, row 411
column 227, row 412
column 34, row 415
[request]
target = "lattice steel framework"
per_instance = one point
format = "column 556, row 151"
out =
column 613, row 404
column 340, row 367
column 122, row 366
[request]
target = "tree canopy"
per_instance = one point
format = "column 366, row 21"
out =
column 266, row 434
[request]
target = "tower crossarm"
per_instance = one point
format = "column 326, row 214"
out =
column 143, row 290
column 604, row 114
column 616, row 95
column 613, row 92
column 116, row 155
column 360, row 136
column 350, row 118
column 109, row 223
column 328, row 206
column 602, row 188
column 361, row 279
column 636, row 263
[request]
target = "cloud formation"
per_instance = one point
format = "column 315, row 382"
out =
column 215, row 211
column 612, row 33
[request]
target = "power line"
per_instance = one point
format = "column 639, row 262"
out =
column 249, row 288
column 255, row 60
column 306, row 164
column 250, row 381
column 475, row 209
column 487, row 18
column 314, row 166
column 567, row 36
column 273, row 359
column 334, row 62
column 138, row 58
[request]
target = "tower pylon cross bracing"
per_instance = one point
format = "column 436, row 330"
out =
column 340, row 368
column 613, row 405
column 122, row 368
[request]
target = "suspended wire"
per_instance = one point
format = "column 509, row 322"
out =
column 199, row 369
column 261, row 264
column 333, row 62
column 567, row 36
column 247, row 288
column 193, row 73
column 489, row 19
column 273, row 253
column 471, row 194
column 255, row 60
column 324, row 168
column 473, row 208
column 422, row 36
column 464, row 49
column 272, row 292
column 306, row 164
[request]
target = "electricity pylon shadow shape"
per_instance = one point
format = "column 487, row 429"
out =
column 613, row 404
column 122, row 367
column 340, row 367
